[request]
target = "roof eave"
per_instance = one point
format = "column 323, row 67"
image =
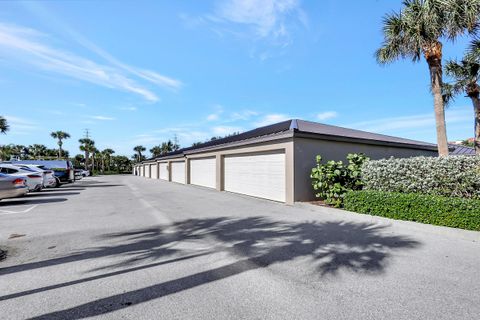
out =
column 299, row 134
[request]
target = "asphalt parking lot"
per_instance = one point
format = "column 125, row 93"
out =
column 124, row 247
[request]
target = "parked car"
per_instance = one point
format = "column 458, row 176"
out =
column 49, row 180
column 78, row 174
column 12, row 186
column 34, row 178
column 63, row 169
column 85, row 173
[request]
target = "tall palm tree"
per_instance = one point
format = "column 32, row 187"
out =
column 60, row 136
column 4, row 127
column 95, row 153
column 465, row 75
column 417, row 30
column 107, row 157
column 156, row 151
column 139, row 150
column 86, row 145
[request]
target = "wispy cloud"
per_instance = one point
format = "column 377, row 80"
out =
column 31, row 47
column 102, row 118
column 267, row 18
column 215, row 115
column 427, row 120
column 20, row 126
column 267, row 25
column 129, row 108
column 322, row 116
column 226, row 130
column 271, row 119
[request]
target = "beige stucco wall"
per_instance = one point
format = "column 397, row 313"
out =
column 307, row 149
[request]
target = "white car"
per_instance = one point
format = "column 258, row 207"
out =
column 34, row 178
column 49, row 180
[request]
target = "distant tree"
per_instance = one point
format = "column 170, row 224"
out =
column 6, row 152
column 466, row 75
column 60, row 136
column 166, row 147
column 156, row 151
column 95, row 158
column 139, row 150
column 106, row 158
column 4, row 127
column 122, row 164
column 468, row 143
column 38, row 151
column 78, row 160
column 86, row 145
column 418, row 29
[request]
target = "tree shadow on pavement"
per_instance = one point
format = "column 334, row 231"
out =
column 255, row 242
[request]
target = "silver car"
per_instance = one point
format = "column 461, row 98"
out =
column 12, row 186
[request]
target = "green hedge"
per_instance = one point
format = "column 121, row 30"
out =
column 451, row 212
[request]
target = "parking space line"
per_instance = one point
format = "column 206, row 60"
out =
column 24, row 211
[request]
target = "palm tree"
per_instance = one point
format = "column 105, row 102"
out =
column 6, row 152
column 139, row 150
column 167, row 147
column 418, row 29
column 107, row 155
column 4, row 127
column 38, row 150
column 60, row 136
column 465, row 75
column 95, row 153
column 86, row 145
column 156, row 151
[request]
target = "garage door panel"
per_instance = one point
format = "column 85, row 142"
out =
column 203, row 172
column 163, row 167
column 178, row 171
column 154, row 171
column 261, row 175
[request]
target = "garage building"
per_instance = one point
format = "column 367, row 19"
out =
column 274, row 162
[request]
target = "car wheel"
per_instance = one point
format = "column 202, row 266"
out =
column 57, row 184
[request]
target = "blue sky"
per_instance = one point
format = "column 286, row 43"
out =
column 140, row 72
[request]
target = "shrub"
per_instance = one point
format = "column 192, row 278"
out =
column 451, row 212
column 332, row 180
column 455, row 176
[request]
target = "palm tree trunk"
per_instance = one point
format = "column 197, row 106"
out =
column 476, row 110
column 435, row 67
column 86, row 160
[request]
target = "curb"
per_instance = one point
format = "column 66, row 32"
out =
column 468, row 235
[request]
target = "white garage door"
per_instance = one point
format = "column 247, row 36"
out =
column 178, row 171
column 203, row 172
column 154, row 171
column 163, row 170
column 140, row 168
column 147, row 170
column 259, row 175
